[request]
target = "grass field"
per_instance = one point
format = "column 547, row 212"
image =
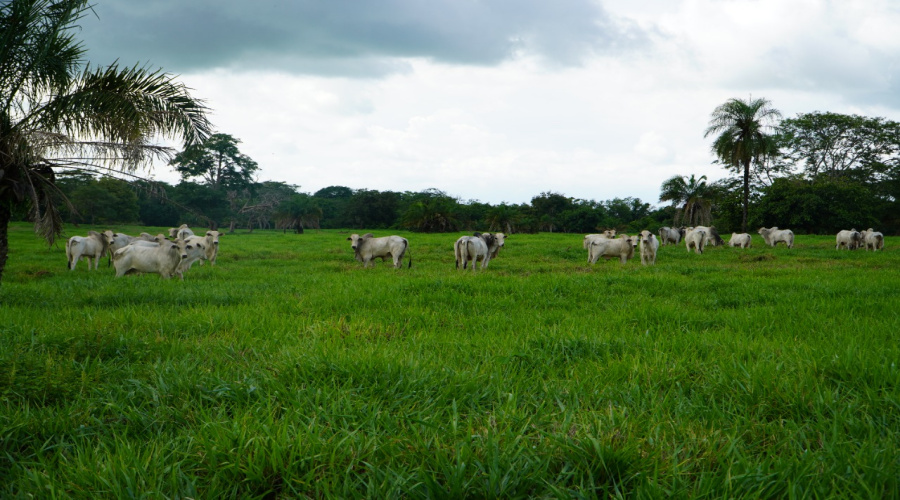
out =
column 289, row 371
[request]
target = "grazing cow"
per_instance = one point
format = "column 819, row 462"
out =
column 474, row 248
column 180, row 232
column 848, row 239
column 671, row 235
column 741, row 240
column 872, row 239
column 649, row 245
column 696, row 239
column 162, row 258
column 367, row 248
column 622, row 247
column 90, row 248
column 773, row 236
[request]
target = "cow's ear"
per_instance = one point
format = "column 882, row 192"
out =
column 349, row 239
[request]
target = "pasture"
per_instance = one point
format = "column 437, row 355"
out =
column 287, row 371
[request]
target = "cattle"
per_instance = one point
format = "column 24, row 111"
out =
column 180, row 232
column 474, row 248
column 696, row 239
column 872, row 239
column 162, row 258
column 741, row 240
column 499, row 242
column 192, row 249
column 622, row 247
column 773, row 236
column 120, row 240
column 367, row 248
column 590, row 238
column 848, row 239
column 90, row 248
column 712, row 236
column 649, row 244
column 212, row 248
column 671, row 235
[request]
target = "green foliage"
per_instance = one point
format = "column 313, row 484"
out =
column 732, row 374
column 825, row 206
column 693, row 196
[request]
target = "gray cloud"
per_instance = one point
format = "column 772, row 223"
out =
column 349, row 37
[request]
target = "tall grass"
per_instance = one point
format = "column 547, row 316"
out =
column 288, row 370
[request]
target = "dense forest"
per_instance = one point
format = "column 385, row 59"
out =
column 830, row 172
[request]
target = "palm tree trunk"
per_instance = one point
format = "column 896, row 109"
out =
column 5, row 216
column 746, row 195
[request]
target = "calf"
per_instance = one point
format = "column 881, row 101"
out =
column 773, row 236
column 622, row 247
column 90, row 248
column 648, row 247
column 741, row 240
column 367, row 248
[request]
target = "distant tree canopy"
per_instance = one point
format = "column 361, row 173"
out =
column 217, row 162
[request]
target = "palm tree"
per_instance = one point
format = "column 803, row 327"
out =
column 742, row 137
column 692, row 195
column 58, row 112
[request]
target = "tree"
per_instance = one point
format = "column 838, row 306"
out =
column 56, row 111
column 693, row 196
column 838, row 145
column 218, row 162
column 742, row 139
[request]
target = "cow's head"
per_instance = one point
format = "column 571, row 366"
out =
column 646, row 238
column 357, row 241
column 214, row 236
column 501, row 239
column 610, row 233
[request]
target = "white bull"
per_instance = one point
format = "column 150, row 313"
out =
column 590, row 238
column 90, row 248
column 741, row 240
column 773, row 236
column 367, row 248
column 622, row 247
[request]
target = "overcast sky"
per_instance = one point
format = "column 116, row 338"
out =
column 500, row 100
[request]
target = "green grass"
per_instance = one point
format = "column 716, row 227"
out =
column 287, row 370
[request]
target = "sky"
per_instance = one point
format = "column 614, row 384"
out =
column 500, row 100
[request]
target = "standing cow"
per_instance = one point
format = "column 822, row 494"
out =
column 622, row 247
column 649, row 244
column 848, row 239
column 162, row 258
column 741, row 240
column 474, row 248
column 89, row 248
column 696, row 239
column 773, row 236
column 671, row 235
column 872, row 239
column 367, row 248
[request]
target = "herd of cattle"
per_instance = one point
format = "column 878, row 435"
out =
column 145, row 253
column 177, row 253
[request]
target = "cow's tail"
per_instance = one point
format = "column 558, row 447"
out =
column 69, row 253
column 456, row 252
column 408, row 254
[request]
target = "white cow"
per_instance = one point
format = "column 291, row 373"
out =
column 649, row 244
column 180, row 232
column 671, row 235
column 773, row 236
column 474, row 248
column 90, row 248
column 162, row 258
column 696, row 239
column 367, row 248
column 622, row 247
column 212, row 248
column 499, row 242
column 872, row 239
column 192, row 250
column 848, row 239
column 712, row 236
column 590, row 238
column 741, row 240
